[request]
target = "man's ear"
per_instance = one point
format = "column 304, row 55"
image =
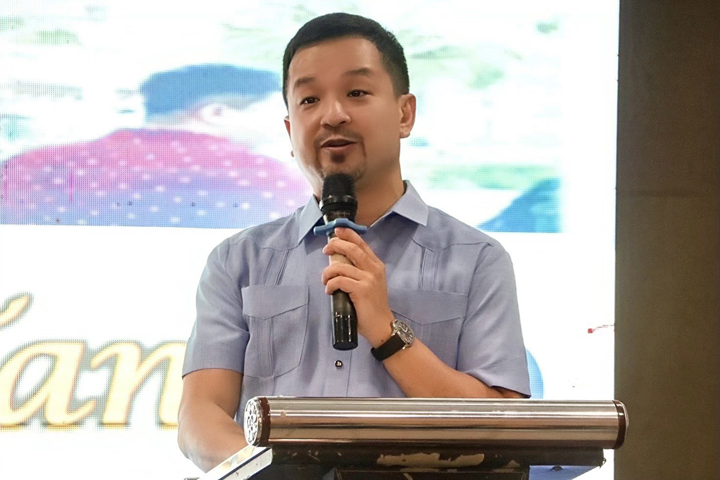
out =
column 408, row 104
column 287, row 125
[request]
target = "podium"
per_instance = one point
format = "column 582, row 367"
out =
column 423, row 439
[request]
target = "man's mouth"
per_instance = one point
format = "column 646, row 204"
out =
column 334, row 143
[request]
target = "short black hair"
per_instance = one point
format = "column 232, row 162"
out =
column 340, row 25
column 182, row 88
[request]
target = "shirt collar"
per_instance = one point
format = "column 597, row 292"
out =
column 410, row 206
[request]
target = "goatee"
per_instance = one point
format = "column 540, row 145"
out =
column 338, row 166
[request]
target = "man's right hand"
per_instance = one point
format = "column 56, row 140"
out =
column 363, row 278
column 207, row 431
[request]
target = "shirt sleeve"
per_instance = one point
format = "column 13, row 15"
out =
column 220, row 334
column 491, row 346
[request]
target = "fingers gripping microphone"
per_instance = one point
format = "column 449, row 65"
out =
column 339, row 206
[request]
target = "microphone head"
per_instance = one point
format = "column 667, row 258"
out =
column 338, row 197
column 338, row 185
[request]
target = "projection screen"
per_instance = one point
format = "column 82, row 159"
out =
column 122, row 166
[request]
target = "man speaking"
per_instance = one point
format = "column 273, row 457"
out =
column 435, row 299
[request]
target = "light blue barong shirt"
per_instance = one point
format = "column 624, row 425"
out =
column 262, row 309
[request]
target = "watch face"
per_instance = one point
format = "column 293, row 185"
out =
column 405, row 333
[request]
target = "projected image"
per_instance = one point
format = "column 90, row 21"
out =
column 135, row 136
column 183, row 167
column 192, row 160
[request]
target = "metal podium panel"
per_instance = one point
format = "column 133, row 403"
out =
column 423, row 439
column 302, row 462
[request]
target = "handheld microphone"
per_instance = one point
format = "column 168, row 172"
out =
column 339, row 202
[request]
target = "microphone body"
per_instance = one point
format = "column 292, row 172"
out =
column 339, row 202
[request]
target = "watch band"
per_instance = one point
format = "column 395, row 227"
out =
column 393, row 345
column 402, row 337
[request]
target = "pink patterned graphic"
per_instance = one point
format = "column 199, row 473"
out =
column 149, row 177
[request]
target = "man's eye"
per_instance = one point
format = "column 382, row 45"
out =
column 357, row 93
column 308, row 101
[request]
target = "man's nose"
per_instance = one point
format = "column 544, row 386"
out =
column 334, row 114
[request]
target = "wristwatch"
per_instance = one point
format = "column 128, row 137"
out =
column 401, row 338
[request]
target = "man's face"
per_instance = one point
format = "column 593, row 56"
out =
column 343, row 115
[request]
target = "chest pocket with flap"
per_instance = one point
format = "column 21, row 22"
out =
column 277, row 317
column 436, row 318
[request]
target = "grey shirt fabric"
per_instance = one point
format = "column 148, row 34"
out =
column 262, row 309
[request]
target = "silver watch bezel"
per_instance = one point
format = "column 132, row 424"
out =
column 404, row 332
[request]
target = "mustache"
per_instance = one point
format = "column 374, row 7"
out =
column 345, row 134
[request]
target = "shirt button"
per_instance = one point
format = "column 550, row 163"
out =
column 338, row 364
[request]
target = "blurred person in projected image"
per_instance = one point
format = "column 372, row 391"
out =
column 263, row 324
column 190, row 165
